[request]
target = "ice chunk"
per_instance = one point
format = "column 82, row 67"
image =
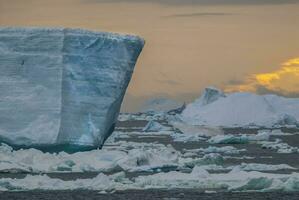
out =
column 188, row 129
column 146, row 159
column 239, row 139
column 279, row 146
column 262, row 167
column 43, row 182
column 199, row 178
column 260, row 136
column 62, row 88
column 214, row 149
column 228, row 139
column 235, row 181
column 208, row 159
column 200, row 172
column 153, row 126
column 126, row 156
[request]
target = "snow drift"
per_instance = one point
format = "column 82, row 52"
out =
column 62, row 87
column 214, row 108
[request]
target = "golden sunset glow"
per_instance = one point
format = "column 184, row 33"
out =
column 285, row 80
column 266, row 79
column 291, row 62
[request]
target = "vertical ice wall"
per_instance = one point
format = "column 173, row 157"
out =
column 62, row 88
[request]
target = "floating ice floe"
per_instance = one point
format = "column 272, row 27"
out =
column 125, row 117
column 239, row 139
column 234, row 181
column 207, row 159
column 43, row 182
column 274, row 132
column 145, row 116
column 123, row 156
column 178, row 137
column 279, row 146
column 126, row 156
column 199, row 178
column 228, row 139
column 213, row 149
column 261, row 167
column 190, row 133
column 214, row 108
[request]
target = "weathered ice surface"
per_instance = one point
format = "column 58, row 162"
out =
column 241, row 109
column 61, row 89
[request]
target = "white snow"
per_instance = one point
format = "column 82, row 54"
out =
column 214, row 108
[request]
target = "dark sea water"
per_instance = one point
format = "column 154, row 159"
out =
column 146, row 195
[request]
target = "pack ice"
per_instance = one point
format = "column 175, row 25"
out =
column 62, row 88
column 214, row 108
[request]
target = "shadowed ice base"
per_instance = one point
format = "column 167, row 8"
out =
column 55, row 148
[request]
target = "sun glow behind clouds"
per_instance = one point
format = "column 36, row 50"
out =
column 283, row 81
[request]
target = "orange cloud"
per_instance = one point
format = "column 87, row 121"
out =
column 284, row 81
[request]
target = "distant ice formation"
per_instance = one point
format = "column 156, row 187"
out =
column 215, row 108
column 62, row 87
column 160, row 105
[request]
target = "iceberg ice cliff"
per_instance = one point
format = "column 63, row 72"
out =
column 61, row 89
column 240, row 109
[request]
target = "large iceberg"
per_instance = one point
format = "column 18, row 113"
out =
column 61, row 89
column 214, row 108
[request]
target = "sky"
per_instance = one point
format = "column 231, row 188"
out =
column 235, row 45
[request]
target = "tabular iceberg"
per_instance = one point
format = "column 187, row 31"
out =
column 61, row 89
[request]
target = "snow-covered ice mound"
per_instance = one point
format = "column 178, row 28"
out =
column 62, row 88
column 214, row 108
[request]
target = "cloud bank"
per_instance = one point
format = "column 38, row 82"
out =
column 203, row 2
column 283, row 81
column 199, row 14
